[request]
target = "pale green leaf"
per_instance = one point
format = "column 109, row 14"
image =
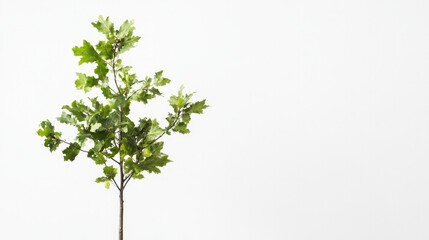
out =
column 110, row 172
column 104, row 26
column 126, row 29
column 198, row 107
column 129, row 43
column 155, row 130
column 67, row 119
column 86, row 52
column 147, row 152
column 95, row 127
column 85, row 82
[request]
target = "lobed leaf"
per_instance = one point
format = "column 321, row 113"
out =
column 104, row 26
column 126, row 29
column 153, row 163
column 110, row 172
column 67, row 119
column 86, row 52
column 160, row 80
column 198, row 107
column 101, row 70
column 71, row 151
column 129, row 43
column 47, row 131
column 85, row 82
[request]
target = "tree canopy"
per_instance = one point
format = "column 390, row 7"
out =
column 104, row 131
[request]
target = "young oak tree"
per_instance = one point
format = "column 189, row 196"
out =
column 124, row 149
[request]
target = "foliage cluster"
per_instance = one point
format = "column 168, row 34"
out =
column 105, row 133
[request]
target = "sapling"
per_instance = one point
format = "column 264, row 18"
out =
column 124, row 149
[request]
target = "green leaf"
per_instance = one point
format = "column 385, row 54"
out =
column 181, row 100
column 128, row 165
column 143, row 95
column 110, row 172
column 52, row 138
column 126, row 29
column 128, row 79
column 107, row 93
column 46, row 130
column 95, row 155
column 198, row 107
column 127, row 147
column 155, row 130
column 104, row 26
column 78, row 109
column 101, row 179
column 170, row 119
column 153, row 163
column 118, row 101
column 181, row 127
column 85, row 82
column 138, row 176
column 173, row 102
column 86, row 52
column 104, row 180
column 186, row 118
column 67, row 119
column 95, row 127
column 106, row 49
column 147, row 153
column 112, row 152
column 101, row 70
column 129, row 43
column 156, row 148
column 71, row 151
column 159, row 80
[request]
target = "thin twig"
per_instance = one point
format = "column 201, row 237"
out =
column 114, row 67
column 86, row 151
column 168, row 128
column 113, row 179
column 127, row 179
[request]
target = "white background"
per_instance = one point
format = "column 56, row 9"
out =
column 318, row 125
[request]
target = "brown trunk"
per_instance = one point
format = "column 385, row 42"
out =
column 121, row 214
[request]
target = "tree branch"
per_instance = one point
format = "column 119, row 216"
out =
column 114, row 67
column 113, row 160
column 142, row 89
column 114, row 142
column 64, row 141
column 127, row 179
column 117, row 186
column 114, row 92
column 82, row 150
column 86, row 151
column 113, row 180
column 132, row 94
column 168, row 128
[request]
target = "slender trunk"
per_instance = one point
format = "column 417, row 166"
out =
column 121, row 204
column 121, row 162
column 121, row 192
column 122, row 186
column 121, row 214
